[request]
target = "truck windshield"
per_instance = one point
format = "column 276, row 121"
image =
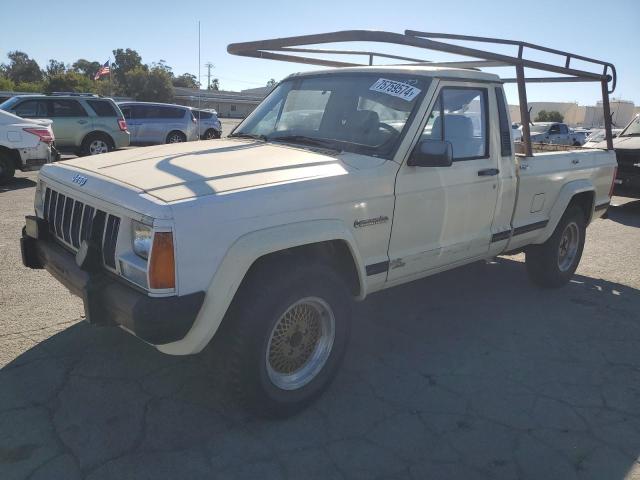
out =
column 363, row 113
column 632, row 129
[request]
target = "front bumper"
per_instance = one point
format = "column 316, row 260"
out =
column 107, row 299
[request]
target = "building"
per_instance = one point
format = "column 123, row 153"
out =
column 587, row 116
column 227, row 104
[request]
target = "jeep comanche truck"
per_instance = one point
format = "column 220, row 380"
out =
column 341, row 183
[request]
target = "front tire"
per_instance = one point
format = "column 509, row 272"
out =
column 7, row 169
column 553, row 263
column 211, row 134
column 284, row 336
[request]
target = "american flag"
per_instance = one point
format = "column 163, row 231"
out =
column 102, row 71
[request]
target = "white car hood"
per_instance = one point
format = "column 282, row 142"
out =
column 622, row 143
column 185, row 170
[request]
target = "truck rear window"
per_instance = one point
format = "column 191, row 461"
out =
column 102, row 108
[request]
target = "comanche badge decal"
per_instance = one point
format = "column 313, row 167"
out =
column 367, row 222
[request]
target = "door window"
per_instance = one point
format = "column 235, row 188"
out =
column 459, row 116
column 555, row 129
column 564, row 130
column 102, row 108
column 32, row 109
column 67, row 108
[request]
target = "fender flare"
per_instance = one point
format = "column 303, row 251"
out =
column 566, row 194
column 239, row 259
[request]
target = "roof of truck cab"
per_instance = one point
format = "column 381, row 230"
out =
column 423, row 70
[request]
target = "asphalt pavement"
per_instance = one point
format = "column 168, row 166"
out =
column 474, row 373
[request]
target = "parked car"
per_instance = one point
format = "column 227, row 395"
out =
column 554, row 133
column 627, row 147
column 84, row 124
column 264, row 239
column 157, row 123
column 25, row 145
column 516, row 132
column 209, row 126
column 596, row 138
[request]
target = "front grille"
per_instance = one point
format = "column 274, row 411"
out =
column 72, row 221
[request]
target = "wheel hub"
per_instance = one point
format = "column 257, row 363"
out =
column 300, row 343
column 568, row 247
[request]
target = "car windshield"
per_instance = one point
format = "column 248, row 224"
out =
column 7, row 104
column 354, row 112
column 632, row 129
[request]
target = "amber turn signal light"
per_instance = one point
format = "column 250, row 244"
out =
column 162, row 266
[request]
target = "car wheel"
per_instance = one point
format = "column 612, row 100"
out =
column 284, row 336
column 7, row 169
column 176, row 137
column 210, row 134
column 95, row 144
column 553, row 263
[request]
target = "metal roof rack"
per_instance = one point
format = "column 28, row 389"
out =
column 73, row 94
column 283, row 48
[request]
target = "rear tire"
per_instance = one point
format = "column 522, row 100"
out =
column 176, row 137
column 553, row 263
column 95, row 144
column 284, row 336
column 7, row 168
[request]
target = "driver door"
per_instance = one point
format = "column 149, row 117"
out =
column 443, row 215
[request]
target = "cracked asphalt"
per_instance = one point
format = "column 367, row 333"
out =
column 474, row 373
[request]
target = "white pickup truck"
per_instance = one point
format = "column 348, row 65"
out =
column 341, row 183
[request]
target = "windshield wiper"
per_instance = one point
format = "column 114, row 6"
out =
column 304, row 140
column 254, row 136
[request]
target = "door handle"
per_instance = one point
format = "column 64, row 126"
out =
column 488, row 172
column 575, row 161
column 82, row 122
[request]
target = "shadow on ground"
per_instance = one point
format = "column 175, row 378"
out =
column 470, row 374
column 626, row 214
column 17, row 183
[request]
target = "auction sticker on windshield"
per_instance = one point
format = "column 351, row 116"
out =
column 397, row 89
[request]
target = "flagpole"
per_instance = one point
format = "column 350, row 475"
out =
column 110, row 89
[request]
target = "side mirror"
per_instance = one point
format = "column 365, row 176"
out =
column 431, row 153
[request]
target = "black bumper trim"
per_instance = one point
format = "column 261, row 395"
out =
column 530, row 228
column 110, row 301
column 602, row 206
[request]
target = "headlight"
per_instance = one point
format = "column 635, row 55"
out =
column 142, row 235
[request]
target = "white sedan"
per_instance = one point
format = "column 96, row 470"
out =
column 25, row 144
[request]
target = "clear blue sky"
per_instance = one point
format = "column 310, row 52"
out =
column 70, row 29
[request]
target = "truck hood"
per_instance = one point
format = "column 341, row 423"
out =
column 185, row 170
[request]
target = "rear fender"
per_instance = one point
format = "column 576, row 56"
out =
column 565, row 195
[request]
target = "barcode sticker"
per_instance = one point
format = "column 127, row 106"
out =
column 397, row 89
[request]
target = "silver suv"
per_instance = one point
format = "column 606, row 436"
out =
column 209, row 126
column 155, row 123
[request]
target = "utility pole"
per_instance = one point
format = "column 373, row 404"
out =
column 209, row 66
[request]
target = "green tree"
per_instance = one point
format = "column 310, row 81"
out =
column 68, row 82
column 21, row 68
column 6, row 84
column 186, row 80
column 149, row 85
column 86, row 68
column 55, row 67
column 271, row 83
column 215, row 85
column 125, row 61
column 29, row 87
column 551, row 116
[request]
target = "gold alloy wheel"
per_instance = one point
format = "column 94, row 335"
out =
column 300, row 343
